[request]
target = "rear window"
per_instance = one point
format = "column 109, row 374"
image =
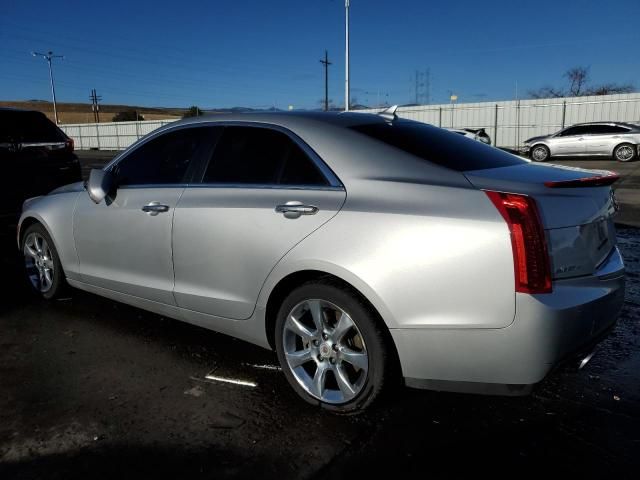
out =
column 438, row 146
column 28, row 127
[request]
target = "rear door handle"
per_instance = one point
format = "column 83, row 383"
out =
column 154, row 208
column 296, row 209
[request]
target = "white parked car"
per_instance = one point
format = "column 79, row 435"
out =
column 473, row 133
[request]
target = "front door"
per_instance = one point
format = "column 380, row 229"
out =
column 124, row 243
column 260, row 195
column 568, row 142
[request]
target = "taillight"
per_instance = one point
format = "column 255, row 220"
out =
column 603, row 180
column 530, row 256
column 69, row 145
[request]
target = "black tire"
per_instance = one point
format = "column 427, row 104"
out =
column 381, row 371
column 540, row 153
column 58, row 284
column 621, row 152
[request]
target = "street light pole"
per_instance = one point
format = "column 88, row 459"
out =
column 48, row 56
column 346, row 81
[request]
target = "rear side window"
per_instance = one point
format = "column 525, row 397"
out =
column 260, row 156
column 610, row 129
column 438, row 146
column 28, row 127
column 163, row 160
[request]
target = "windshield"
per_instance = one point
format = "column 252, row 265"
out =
column 28, row 127
column 438, row 146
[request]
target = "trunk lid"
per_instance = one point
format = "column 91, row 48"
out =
column 576, row 208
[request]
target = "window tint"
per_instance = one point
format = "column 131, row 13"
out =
column 609, row 129
column 28, row 127
column 253, row 155
column 571, row 131
column 438, row 146
column 163, row 160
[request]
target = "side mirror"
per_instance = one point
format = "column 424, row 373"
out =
column 100, row 184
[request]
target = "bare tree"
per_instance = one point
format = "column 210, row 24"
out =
column 546, row 92
column 610, row 89
column 578, row 78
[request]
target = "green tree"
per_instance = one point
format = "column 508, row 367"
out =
column 127, row 116
column 193, row 111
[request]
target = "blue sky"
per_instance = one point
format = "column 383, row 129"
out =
column 262, row 53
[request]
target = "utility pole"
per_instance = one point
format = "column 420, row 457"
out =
column 347, row 99
column 48, row 56
column 326, row 64
column 427, row 85
column 95, row 98
column 423, row 87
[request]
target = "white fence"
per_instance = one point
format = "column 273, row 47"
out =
column 508, row 123
column 110, row 136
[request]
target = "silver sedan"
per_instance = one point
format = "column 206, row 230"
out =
column 619, row 141
column 365, row 249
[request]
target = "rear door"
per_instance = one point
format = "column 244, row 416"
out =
column 262, row 192
column 604, row 138
column 124, row 242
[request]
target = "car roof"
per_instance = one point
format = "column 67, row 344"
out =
column 339, row 119
column 625, row 124
column 19, row 110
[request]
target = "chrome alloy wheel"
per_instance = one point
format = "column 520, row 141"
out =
column 325, row 351
column 539, row 154
column 624, row 153
column 38, row 262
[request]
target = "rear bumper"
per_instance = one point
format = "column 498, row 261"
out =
column 509, row 361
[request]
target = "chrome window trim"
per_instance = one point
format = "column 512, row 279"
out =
column 248, row 186
column 325, row 170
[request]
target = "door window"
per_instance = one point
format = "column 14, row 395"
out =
column 261, row 156
column 609, row 129
column 163, row 160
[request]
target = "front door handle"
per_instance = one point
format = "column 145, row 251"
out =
column 154, row 208
column 296, row 209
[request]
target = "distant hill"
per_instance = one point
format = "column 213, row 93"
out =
column 82, row 113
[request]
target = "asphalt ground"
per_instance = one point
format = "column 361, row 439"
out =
column 90, row 388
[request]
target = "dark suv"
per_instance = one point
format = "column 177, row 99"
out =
column 35, row 157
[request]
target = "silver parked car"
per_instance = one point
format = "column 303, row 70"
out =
column 619, row 141
column 478, row 134
column 363, row 248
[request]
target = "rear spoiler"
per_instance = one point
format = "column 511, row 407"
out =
column 603, row 180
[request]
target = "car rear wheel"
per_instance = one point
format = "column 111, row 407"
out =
column 540, row 153
column 42, row 263
column 332, row 347
column 624, row 152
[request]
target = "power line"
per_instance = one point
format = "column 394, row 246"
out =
column 49, row 56
column 326, row 64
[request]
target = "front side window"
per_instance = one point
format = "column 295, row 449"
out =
column 163, row 160
column 260, row 156
column 569, row 132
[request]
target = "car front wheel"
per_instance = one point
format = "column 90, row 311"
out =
column 42, row 263
column 332, row 347
column 540, row 153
